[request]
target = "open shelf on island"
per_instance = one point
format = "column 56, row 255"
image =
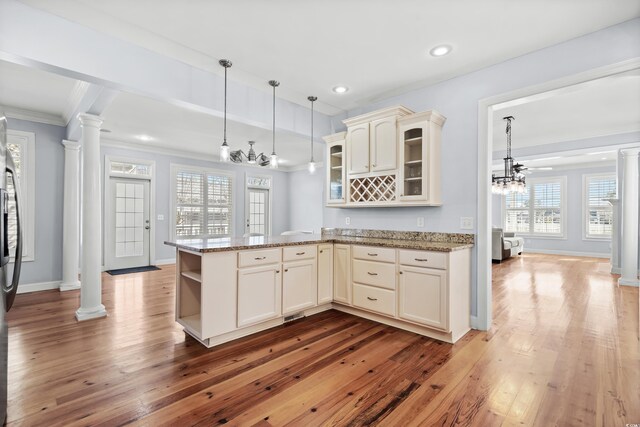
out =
column 193, row 275
column 192, row 323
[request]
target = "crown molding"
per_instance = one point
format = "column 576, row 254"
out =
column 32, row 116
column 398, row 110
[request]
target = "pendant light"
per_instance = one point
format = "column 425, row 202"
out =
column 312, row 164
column 225, row 150
column 274, row 157
column 513, row 180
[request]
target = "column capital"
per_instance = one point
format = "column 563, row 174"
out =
column 90, row 120
column 631, row 152
column 71, row 145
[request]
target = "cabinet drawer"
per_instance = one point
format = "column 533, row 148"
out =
column 293, row 253
column 382, row 301
column 423, row 259
column 374, row 273
column 372, row 253
column 260, row 257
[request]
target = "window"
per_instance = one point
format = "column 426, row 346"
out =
column 539, row 211
column 598, row 213
column 21, row 145
column 129, row 169
column 202, row 202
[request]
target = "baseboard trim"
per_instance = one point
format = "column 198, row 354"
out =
column 473, row 320
column 164, row 261
column 568, row 253
column 24, row 288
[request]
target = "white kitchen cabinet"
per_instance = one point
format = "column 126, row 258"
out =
column 259, row 294
column 342, row 273
column 299, row 285
column 325, row 274
column 423, row 296
column 358, row 148
column 382, row 143
column 336, row 168
column 419, row 151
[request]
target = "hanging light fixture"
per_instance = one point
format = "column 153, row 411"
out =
column 225, row 150
column 273, row 161
column 513, row 180
column 312, row 164
column 252, row 158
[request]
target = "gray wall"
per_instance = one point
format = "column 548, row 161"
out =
column 307, row 200
column 49, row 173
column 279, row 192
column 458, row 99
column 574, row 241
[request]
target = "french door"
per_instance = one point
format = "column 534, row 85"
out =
column 257, row 219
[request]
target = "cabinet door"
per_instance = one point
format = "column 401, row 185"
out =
column 358, row 146
column 336, row 173
column 383, row 141
column 259, row 294
column 342, row 273
column 424, row 297
column 299, row 286
column 325, row 274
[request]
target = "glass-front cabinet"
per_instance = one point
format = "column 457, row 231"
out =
column 419, row 151
column 336, row 168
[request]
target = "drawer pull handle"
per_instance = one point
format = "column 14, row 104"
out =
column 421, row 259
column 258, row 258
column 300, row 253
column 372, row 274
column 370, row 254
column 372, row 299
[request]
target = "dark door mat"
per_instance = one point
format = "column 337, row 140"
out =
column 132, row 270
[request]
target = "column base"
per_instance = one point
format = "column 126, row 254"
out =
column 72, row 286
column 90, row 313
column 628, row 282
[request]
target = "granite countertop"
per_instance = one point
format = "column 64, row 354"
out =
column 259, row 242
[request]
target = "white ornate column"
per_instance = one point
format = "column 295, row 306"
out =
column 71, row 217
column 630, row 199
column 615, row 236
column 91, row 289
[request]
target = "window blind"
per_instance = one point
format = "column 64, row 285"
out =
column 537, row 211
column 599, row 213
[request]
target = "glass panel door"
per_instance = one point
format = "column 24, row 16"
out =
column 257, row 212
column 412, row 162
column 336, row 173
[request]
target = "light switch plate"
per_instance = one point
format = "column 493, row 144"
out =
column 466, row 223
column 420, row 222
column 347, row 220
column 160, row 217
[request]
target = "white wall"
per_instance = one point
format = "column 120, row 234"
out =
column 458, row 99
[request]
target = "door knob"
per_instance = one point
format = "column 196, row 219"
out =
column 146, row 227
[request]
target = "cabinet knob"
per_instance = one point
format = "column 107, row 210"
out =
column 374, row 165
column 321, row 251
column 277, row 271
column 400, row 272
column 286, row 269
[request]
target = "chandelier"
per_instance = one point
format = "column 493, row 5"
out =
column 252, row 158
column 513, row 180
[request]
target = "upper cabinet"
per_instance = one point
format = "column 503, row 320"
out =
column 336, row 168
column 389, row 157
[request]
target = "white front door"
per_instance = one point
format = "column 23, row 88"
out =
column 257, row 212
column 130, row 225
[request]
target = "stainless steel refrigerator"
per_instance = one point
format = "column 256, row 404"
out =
column 9, row 285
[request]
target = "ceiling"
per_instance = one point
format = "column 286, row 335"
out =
column 601, row 107
column 34, row 90
column 144, row 121
column 377, row 48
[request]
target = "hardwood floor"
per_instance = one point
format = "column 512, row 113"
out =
column 563, row 351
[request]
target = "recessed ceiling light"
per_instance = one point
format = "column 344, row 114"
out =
column 441, row 50
column 604, row 158
column 145, row 138
column 340, row 89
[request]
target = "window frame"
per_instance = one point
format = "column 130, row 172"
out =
column 585, row 205
column 174, row 169
column 531, row 182
column 27, row 142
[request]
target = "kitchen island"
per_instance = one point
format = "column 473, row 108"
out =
column 229, row 288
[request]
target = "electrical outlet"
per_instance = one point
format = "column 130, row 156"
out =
column 347, row 220
column 466, row 223
column 160, row 217
column 420, row 222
